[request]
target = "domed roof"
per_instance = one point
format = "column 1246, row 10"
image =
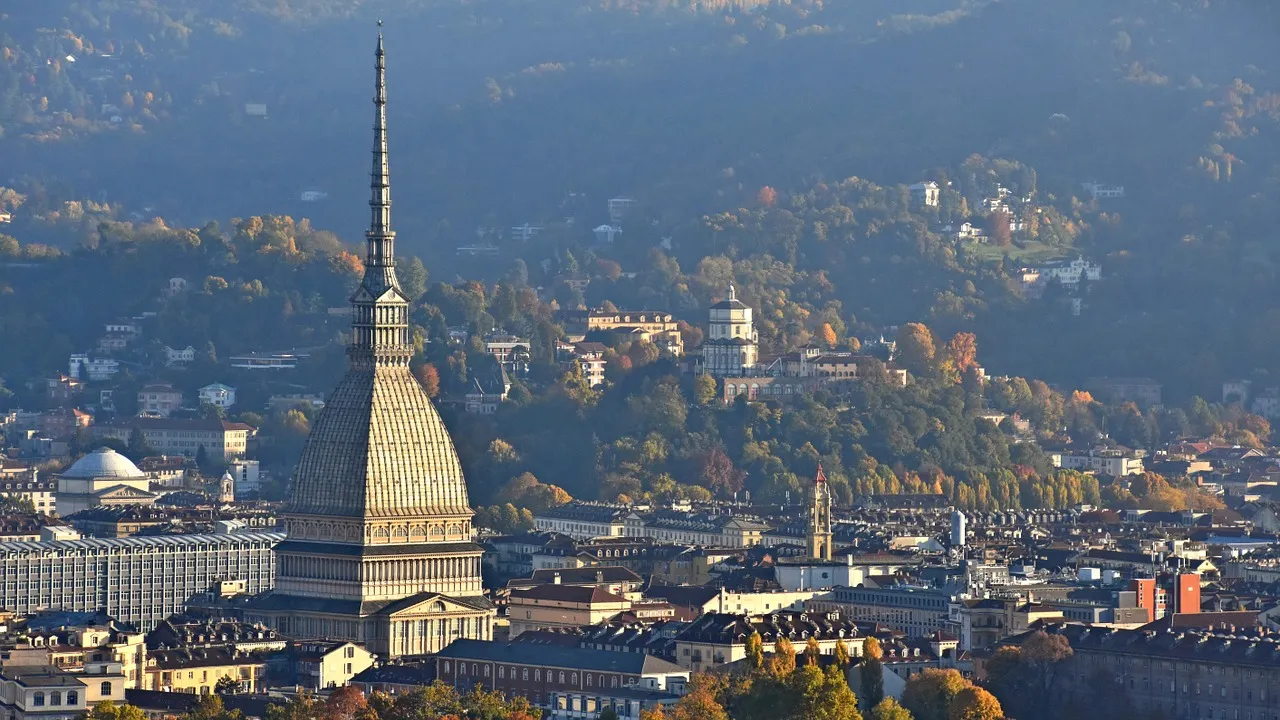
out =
column 103, row 463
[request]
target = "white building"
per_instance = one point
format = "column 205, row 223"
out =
column 606, row 233
column 618, row 208
column 1068, row 273
column 164, row 572
column 925, row 194
column 218, row 395
column 732, row 347
column 1103, row 461
column 1098, row 191
column 247, row 475
column 175, row 357
column 84, row 367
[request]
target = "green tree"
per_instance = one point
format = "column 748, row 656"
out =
column 823, row 695
column 704, row 389
column 108, row 710
column 210, row 708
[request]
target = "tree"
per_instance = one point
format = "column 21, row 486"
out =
column 210, row 708
column 1000, row 228
column 974, row 703
column 699, row 701
column 755, row 651
column 767, row 196
column 108, row 710
column 346, row 703
column 872, row 673
column 823, row 695
column 784, row 658
column 429, row 378
column 962, row 349
column 843, row 659
column 608, row 713
column 653, row 713
column 889, row 709
column 928, row 695
column 704, row 389
column 915, row 349
column 812, row 651
column 828, row 335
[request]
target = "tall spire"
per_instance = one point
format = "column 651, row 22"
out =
column 380, row 310
column 381, row 240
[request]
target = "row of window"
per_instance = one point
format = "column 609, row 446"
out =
column 478, row 670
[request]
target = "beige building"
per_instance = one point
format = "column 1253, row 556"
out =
column 561, row 606
column 198, row 670
column 379, row 549
column 221, row 440
column 717, row 639
column 159, row 399
column 20, row 481
column 325, row 665
column 659, row 328
column 919, row 612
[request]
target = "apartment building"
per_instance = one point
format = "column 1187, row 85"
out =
column 137, row 580
column 917, row 611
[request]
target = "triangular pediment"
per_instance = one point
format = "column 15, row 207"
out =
column 430, row 605
column 123, row 492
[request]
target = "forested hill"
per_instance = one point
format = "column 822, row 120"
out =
column 507, row 112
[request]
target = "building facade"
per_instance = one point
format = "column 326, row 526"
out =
column 137, row 580
column 919, row 612
column 379, row 547
column 732, row 347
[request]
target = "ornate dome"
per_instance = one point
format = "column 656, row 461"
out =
column 103, row 463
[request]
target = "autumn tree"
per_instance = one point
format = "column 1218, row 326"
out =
column 999, row 227
column 812, row 651
column 889, row 709
column 108, row 710
column 871, row 672
column 784, row 657
column 767, row 196
column 843, row 659
column 915, row 349
column 755, row 651
column 974, row 703
column 699, row 701
column 429, row 379
column 928, row 695
column 962, row 350
column 704, row 389
column 828, row 335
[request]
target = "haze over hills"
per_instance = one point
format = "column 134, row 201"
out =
column 503, row 109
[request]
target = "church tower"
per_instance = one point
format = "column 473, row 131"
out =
column 378, row 548
column 818, row 538
column 732, row 346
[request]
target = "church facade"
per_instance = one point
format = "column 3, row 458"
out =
column 732, row 346
column 379, row 548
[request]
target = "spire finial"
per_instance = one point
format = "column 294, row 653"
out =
column 380, row 235
column 732, row 294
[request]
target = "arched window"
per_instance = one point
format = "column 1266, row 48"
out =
column 537, row 675
column 502, row 673
column 38, row 699
column 106, row 689
column 561, row 677
column 446, row 666
column 590, row 679
column 486, row 671
column 574, row 679
column 55, row 698
column 73, row 697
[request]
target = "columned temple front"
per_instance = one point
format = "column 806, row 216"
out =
column 379, row 547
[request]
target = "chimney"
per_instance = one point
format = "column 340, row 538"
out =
column 555, row 579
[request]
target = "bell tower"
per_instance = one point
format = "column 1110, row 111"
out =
column 819, row 536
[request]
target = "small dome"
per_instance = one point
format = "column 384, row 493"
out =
column 103, row 463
